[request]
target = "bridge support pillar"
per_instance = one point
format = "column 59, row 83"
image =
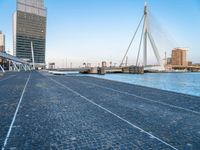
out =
column 15, row 66
column 28, row 67
column 23, row 66
column 2, row 68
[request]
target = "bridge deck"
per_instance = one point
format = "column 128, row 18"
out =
column 77, row 112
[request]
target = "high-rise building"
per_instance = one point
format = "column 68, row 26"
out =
column 179, row 56
column 29, row 26
column 2, row 42
column 2, row 45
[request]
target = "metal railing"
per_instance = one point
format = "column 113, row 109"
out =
column 12, row 58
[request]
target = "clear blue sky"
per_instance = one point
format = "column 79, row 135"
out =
column 97, row 30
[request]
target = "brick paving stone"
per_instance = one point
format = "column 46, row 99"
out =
column 52, row 117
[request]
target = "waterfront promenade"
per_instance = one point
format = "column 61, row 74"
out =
column 43, row 111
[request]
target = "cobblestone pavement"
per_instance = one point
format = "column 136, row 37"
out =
column 11, row 86
column 72, row 112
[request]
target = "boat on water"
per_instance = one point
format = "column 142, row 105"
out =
column 57, row 72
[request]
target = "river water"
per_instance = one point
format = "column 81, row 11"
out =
column 187, row 83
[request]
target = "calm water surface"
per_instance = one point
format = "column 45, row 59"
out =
column 187, row 83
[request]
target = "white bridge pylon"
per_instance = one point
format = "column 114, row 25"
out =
column 145, row 36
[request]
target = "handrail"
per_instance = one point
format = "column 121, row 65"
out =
column 11, row 57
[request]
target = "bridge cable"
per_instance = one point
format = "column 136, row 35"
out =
column 132, row 40
column 140, row 45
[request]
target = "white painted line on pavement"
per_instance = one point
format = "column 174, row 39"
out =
column 134, row 126
column 147, row 99
column 14, row 117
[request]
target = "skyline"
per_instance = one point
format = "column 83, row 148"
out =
column 95, row 31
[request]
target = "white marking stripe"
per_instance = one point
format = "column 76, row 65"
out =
column 16, row 111
column 147, row 99
column 141, row 130
column 11, row 76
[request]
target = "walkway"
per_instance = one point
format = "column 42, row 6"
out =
column 42, row 111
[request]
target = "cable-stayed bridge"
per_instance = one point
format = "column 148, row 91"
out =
column 145, row 38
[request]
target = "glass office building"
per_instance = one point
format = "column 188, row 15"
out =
column 29, row 26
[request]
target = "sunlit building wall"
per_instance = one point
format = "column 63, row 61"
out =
column 2, row 44
column 29, row 26
column 179, row 56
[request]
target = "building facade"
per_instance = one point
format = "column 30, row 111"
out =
column 169, row 61
column 2, row 45
column 179, row 56
column 2, row 42
column 29, row 30
column 52, row 66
